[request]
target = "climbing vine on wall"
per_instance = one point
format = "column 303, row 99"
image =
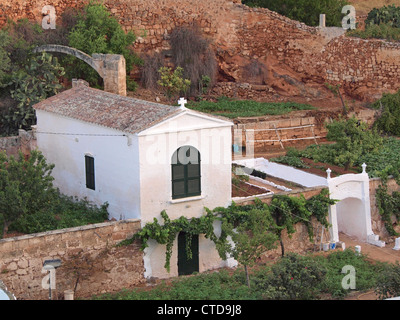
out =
column 286, row 211
column 166, row 233
column 389, row 206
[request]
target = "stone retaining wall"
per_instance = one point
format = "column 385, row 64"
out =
column 89, row 252
column 292, row 128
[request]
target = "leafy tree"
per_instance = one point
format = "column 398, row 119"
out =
column 353, row 140
column 96, row 31
column 306, row 11
column 251, row 238
column 36, row 82
column 25, row 186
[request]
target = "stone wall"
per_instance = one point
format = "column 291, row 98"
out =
column 24, row 142
column 89, row 251
column 297, row 60
column 10, row 145
column 296, row 130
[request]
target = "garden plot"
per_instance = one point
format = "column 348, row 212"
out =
column 283, row 172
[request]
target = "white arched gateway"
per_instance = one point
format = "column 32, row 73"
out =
column 352, row 213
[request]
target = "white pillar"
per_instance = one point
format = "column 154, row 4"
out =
column 322, row 20
column 397, row 244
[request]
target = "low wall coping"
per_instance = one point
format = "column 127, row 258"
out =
column 66, row 230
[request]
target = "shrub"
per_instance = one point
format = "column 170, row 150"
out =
column 353, row 140
column 388, row 282
column 64, row 212
column 294, row 277
column 25, row 186
column 389, row 118
column 382, row 31
column 366, row 273
column 173, row 81
column 389, row 15
column 4, row 55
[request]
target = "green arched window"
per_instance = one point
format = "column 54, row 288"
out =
column 186, row 173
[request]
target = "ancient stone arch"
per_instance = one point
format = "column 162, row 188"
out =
column 352, row 214
column 111, row 67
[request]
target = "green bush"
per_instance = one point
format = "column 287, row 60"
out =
column 381, row 23
column 294, row 277
column 374, row 31
column 306, row 11
column 65, row 212
column 389, row 119
column 366, row 272
column 215, row 286
column 172, row 81
column 389, row 15
column 353, row 139
column 388, row 282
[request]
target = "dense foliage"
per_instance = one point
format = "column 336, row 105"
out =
column 385, row 15
column 25, row 186
column 354, row 143
column 38, row 81
column 282, row 214
column 96, row 31
column 353, row 139
column 29, row 202
column 4, row 55
column 231, row 108
column 388, row 282
column 381, row 23
column 389, row 207
column 389, row 118
column 64, row 212
column 306, row 11
column 291, row 277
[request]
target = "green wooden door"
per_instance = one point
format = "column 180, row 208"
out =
column 185, row 265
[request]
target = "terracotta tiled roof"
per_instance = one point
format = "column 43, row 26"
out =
column 107, row 109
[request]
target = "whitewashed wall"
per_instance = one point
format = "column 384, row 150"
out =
column 156, row 148
column 116, row 162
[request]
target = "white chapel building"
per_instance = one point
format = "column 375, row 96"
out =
column 141, row 158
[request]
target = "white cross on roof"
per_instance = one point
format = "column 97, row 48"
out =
column 182, row 101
